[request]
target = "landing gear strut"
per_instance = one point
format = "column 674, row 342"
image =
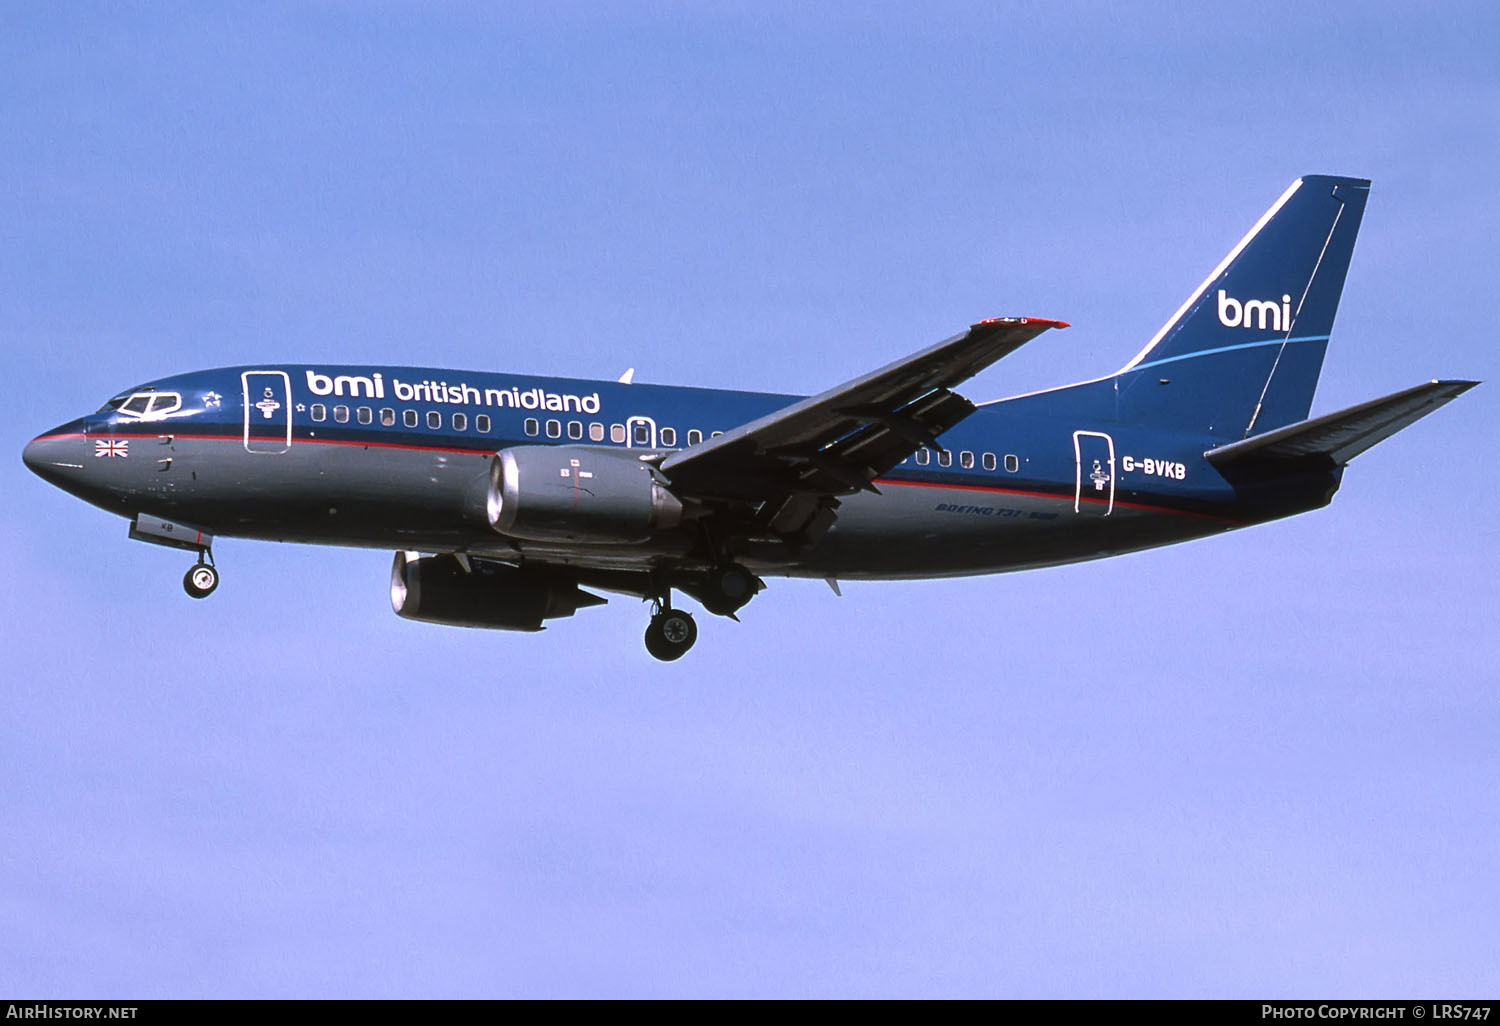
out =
column 671, row 631
column 203, row 578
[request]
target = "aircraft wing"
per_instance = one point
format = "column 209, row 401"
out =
column 838, row 442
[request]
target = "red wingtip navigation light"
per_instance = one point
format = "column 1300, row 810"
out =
column 1026, row 320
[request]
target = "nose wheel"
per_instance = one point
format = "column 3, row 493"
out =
column 202, row 579
column 670, row 634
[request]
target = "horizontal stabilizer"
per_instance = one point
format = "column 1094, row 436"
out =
column 1336, row 438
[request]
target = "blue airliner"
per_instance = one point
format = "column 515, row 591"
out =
column 508, row 496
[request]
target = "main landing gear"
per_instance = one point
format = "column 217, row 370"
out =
column 722, row 591
column 671, row 632
column 203, row 578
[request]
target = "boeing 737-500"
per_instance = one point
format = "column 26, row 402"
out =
column 508, row 497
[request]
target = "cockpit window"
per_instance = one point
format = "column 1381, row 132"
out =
column 164, row 403
column 136, row 405
column 144, row 405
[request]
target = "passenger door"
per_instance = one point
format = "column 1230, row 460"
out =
column 1094, row 487
column 268, row 411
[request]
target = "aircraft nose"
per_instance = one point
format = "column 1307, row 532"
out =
column 32, row 454
column 56, row 456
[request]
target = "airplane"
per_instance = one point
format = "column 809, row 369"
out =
column 507, row 496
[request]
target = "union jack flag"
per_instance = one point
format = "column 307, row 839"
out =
column 111, row 449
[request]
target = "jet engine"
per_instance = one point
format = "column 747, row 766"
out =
column 437, row 589
column 577, row 493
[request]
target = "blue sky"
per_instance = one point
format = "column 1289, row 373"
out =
column 1261, row 764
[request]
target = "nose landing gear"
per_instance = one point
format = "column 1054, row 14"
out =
column 202, row 579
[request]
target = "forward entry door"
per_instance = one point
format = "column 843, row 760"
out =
column 268, row 411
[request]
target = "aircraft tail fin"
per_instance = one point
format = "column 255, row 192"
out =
column 1334, row 439
column 1243, row 354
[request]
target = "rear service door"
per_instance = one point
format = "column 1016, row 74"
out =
column 1094, row 493
column 268, row 411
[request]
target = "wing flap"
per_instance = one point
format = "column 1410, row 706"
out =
column 837, row 442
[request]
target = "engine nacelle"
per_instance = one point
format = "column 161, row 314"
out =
column 577, row 493
column 437, row 589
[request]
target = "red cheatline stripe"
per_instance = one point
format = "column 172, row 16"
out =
column 378, row 445
column 297, row 440
column 879, row 481
column 1062, row 498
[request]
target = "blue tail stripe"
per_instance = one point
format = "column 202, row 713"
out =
column 1228, row 349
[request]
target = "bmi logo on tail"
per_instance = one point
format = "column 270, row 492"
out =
column 1236, row 314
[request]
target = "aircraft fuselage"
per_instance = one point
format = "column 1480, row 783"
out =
column 275, row 453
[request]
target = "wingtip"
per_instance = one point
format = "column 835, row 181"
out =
column 1023, row 320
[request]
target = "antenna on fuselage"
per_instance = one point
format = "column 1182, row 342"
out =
column 629, row 373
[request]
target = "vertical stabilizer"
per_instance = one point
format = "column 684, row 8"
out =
column 1243, row 354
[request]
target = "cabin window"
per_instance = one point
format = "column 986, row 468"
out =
column 387, row 418
column 434, row 419
column 409, row 418
column 596, row 432
column 617, row 433
column 988, row 461
column 924, row 457
column 966, row 460
column 482, row 423
column 668, row 437
column 642, row 434
column 1011, row 464
column 716, row 434
column 319, row 412
column 694, row 436
column 575, row 429
column 366, row 415
column 460, row 422
column 945, row 458
column 532, row 425
column 341, row 414
column 554, row 429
